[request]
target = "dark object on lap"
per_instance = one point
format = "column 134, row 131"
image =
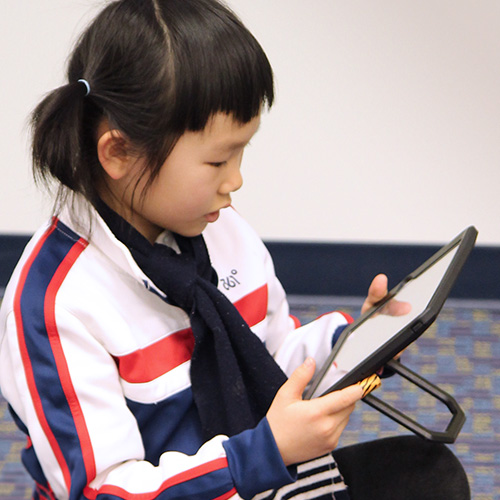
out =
column 402, row 468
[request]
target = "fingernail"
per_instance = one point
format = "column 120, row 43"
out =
column 369, row 384
column 309, row 362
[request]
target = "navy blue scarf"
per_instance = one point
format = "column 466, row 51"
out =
column 234, row 378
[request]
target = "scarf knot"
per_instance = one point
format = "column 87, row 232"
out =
column 179, row 270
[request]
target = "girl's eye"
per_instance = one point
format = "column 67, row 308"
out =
column 217, row 163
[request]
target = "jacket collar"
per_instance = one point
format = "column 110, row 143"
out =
column 83, row 218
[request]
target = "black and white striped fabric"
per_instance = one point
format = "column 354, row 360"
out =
column 318, row 479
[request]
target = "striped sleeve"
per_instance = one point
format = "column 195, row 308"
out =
column 88, row 441
column 41, row 353
column 77, row 417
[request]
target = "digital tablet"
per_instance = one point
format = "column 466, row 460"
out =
column 378, row 335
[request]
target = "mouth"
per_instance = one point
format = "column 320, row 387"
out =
column 212, row 216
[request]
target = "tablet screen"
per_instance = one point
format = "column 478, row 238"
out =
column 384, row 323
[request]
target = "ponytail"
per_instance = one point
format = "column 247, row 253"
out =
column 61, row 137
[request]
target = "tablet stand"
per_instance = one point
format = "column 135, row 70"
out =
column 455, row 424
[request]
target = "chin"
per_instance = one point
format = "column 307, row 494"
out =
column 192, row 232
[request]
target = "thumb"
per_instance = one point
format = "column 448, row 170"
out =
column 295, row 386
column 377, row 291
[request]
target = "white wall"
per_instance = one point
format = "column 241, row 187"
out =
column 386, row 126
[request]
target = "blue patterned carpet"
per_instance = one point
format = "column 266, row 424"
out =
column 460, row 353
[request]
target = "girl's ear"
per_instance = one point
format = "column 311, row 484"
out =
column 113, row 155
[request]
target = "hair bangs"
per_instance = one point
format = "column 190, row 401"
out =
column 219, row 66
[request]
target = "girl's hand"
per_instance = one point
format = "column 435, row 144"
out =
column 304, row 430
column 376, row 292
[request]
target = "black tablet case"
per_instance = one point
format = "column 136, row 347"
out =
column 383, row 356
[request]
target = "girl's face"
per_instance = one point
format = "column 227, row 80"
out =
column 194, row 183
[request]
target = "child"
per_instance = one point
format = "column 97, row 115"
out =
column 126, row 353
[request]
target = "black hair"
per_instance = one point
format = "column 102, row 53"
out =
column 156, row 69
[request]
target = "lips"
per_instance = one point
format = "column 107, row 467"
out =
column 212, row 216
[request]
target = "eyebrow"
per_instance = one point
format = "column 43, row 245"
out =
column 232, row 145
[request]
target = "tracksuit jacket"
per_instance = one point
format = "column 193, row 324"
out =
column 94, row 363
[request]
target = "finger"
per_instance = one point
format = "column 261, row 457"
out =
column 295, row 386
column 378, row 288
column 376, row 292
column 338, row 401
column 342, row 426
column 398, row 308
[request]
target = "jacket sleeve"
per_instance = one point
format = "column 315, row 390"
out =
column 64, row 387
column 289, row 342
column 236, row 241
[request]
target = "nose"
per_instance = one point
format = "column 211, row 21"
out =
column 233, row 180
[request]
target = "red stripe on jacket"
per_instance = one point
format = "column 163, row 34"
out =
column 60, row 359
column 195, row 472
column 149, row 363
column 28, row 369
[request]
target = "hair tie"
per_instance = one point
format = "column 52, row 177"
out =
column 87, row 86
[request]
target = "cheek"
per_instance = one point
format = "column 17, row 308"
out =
column 187, row 201
column 200, row 187
column 184, row 194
